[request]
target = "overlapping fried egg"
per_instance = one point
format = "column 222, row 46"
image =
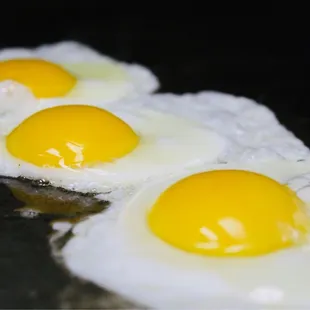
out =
column 68, row 69
column 109, row 146
column 234, row 236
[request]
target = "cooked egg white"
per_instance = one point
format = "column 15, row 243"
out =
column 253, row 126
column 68, row 69
column 232, row 236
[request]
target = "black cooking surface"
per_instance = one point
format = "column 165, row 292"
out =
column 271, row 65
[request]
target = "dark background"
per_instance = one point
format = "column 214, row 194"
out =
column 265, row 57
column 262, row 57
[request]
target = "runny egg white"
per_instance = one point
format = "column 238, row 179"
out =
column 234, row 236
column 90, row 149
column 69, row 69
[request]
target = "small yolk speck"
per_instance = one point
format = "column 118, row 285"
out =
column 43, row 78
column 229, row 213
column 71, row 136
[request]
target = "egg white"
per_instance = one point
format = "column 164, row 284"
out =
column 116, row 250
column 251, row 125
column 98, row 76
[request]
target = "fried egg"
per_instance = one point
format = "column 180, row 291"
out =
column 68, row 69
column 87, row 148
column 116, row 147
column 234, row 236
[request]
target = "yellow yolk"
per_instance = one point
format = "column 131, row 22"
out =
column 43, row 78
column 229, row 213
column 72, row 136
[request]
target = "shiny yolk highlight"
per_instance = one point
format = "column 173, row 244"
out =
column 43, row 78
column 229, row 213
column 71, row 136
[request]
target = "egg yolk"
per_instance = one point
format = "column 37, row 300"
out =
column 71, row 136
column 43, row 78
column 229, row 213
